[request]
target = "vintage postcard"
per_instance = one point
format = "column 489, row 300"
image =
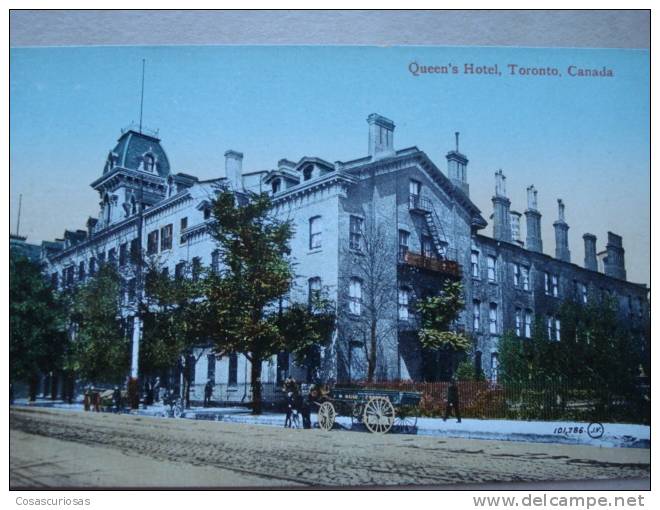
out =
column 329, row 266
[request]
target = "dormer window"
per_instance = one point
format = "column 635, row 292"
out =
column 149, row 163
column 307, row 172
column 276, row 185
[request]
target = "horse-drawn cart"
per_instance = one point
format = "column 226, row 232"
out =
column 378, row 410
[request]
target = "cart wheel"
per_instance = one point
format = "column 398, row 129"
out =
column 326, row 416
column 379, row 415
column 405, row 424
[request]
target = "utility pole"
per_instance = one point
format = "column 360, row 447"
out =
column 18, row 221
column 133, row 390
column 133, row 386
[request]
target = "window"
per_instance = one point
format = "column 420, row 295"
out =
column 553, row 326
column 215, row 261
column 524, row 276
column 92, row 266
column 528, row 324
column 546, row 283
column 551, row 285
column 355, row 241
column 182, row 227
column 494, row 366
column 585, row 296
column 516, row 275
column 179, row 270
column 135, row 251
column 404, row 237
column 474, row 263
column 210, row 367
column 196, row 268
column 166, row 237
column 315, row 232
column 232, row 375
column 355, row 296
column 518, row 316
column 491, row 263
column 101, row 258
column 131, row 290
column 81, row 271
column 314, row 290
column 276, row 184
column 152, row 242
column 476, row 315
column 492, row 319
column 207, row 213
column 415, row 190
column 112, row 256
column 69, row 275
column 53, row 280
column 427, row 247
column 307, row 172
column 404, row 300
column 148, row 163
column 165, row 272
column 123, row 254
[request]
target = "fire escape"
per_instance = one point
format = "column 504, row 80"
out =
column 439, row 261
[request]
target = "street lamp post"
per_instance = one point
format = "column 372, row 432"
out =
column 133, row 388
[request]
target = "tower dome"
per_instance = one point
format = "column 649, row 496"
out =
column 137, row 150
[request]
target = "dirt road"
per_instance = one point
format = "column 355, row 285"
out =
column 54, row 448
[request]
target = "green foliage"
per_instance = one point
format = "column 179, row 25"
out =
column 596, row 351
column 438, row 312
column 466, row 372
column 37, row 340
column 243, row 300
column 173, row 319
column 101, row 349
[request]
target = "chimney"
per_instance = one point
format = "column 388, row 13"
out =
column 590, row 260
column 381, row 136
column 234, row 169
column 561, row 234
column 533, row 220
column 501, row 215
column 614, row 263
column 457, row 168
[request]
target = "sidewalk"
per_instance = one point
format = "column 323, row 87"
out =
column 612, row 435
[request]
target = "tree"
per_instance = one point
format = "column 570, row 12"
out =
column 438, row 313
column 243, row 296
column 173, row 323
column 101, row 348
column 377, row 321
column 37, row 341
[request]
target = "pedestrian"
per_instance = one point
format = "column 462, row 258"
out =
column 148, row 395
column 290, row 406
column 156, row 390
column 452, row 401
column 312, row 397
column 116, row 399
column 208, row 392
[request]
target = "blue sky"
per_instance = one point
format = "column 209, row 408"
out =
column 585, row 140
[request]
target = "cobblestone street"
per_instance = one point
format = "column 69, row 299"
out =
column 54, row 448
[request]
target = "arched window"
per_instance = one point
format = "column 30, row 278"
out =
column 106, row 208
column 307, row 172
column 355, row 296
column 149, row 163
column 276, row 184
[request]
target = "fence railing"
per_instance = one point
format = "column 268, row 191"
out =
column 529, row 401
column 552, row 400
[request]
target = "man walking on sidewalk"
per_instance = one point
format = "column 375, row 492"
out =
column 452, row 401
